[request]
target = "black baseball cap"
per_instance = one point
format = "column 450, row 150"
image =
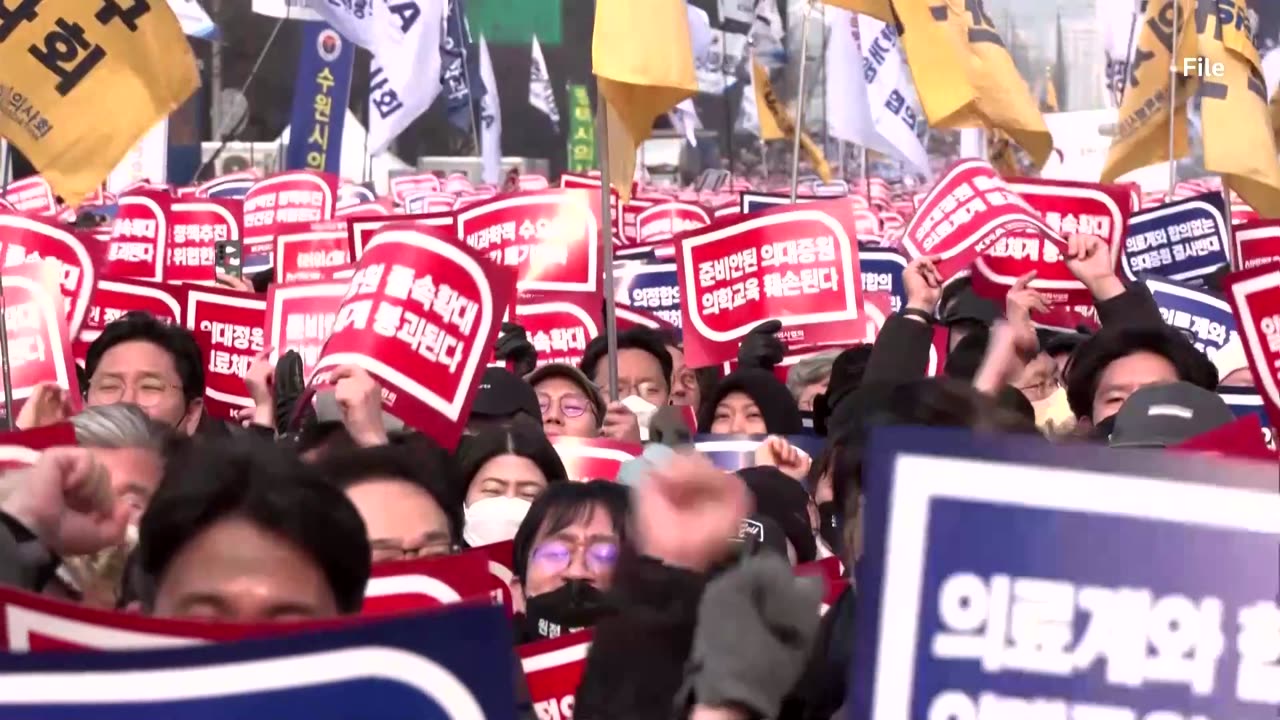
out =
column 502, row 395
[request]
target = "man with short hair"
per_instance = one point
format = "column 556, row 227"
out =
column 644, row 366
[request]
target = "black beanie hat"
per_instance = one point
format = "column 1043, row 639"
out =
column 783, row 500
column 781, row 414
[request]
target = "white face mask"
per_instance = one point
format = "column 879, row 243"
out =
column 643, row 410
column 1054, row 410
column 493, row 520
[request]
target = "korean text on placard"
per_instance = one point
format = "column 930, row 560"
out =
column 1159, row 248
column 233, row 347
column 26, row 334
column 563, row 345
column 730, row 282
column 200, row 251
column 536, row 244
column 306, row 333
column 961, row 205
column 286, row 206
column 318, row 140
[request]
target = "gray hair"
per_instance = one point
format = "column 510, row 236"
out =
column 809, row 371
column 119, row 425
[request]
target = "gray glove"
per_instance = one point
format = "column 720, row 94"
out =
column 756, row 623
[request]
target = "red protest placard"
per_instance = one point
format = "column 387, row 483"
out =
column 1243, row 438
column 587, row 459
column 195, row 227
column 308, row 252
column 379, row 208
column 114, row 298
column 296, row 196
column 662, row 221
column 421, row 314
column 425, row 583
column 866, row 222
column 798, row 264
column 830, row 570
column 559, row 324
column 300, row 317
column 39, row 344
column 22, row 448
column 1255, row 301
column 407, row 185
column 965, row 214
column 553, row 669
column 500, row 559
column 361, row 230
column 24, row 240
column 138, row 233
column 549, row 237
column 228, row 326
column 430, row 203
column 31, row 195
column 1257, row 243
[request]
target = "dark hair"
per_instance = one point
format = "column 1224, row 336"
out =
column 1090, row 360
column 245, row 477
column 965, row 359
column 772, row 398
column 416, row 460
column 138, row 325
column 564, row 504
column 521, row 438
column 847, row 371
column 951, row 292
column 1015, row 401
column 633, row 338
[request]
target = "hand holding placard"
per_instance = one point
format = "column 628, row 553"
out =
column 66, row 500
column 1089, row 259
column 923, row 283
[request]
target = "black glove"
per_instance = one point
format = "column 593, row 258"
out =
column 288, row 386
column 761, row 347
column 513, row 346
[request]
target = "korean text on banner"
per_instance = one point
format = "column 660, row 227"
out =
column 31, row 195
column 1184, row 240
column 582, row 130
column 559, row 324
column 554, row 669
column 24, row 240
column 195, row 229
column 799, row 265
column 421, row 315
column 1257, row 243
column 307, row 252
column 113, row 298
column 1255, row 299
column 228, row 326
column 295, row 196
column 125, row 65
column 139, row 237
column 300, row 317
column 321, row 92
column 945, row 626
column 1204, row 316
column 39, row 344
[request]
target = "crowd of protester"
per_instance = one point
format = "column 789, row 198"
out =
column 162, row 510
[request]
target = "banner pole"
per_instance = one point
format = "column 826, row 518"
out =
column 606, row 237
column 466, row 72
column 798, row 130
column 6, row 167
column 1173, row 100
column 9, row 420
column 865, row 174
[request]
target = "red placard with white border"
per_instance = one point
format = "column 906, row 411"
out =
column 798, row 264
column 406, row 185
column 296, row 196
column 22, row 448
column 664, row 220
column 138, row 237
column 228, row 326
column 309, row 252
column 195, row 229
column 361, row 230
column 587, row 459
column 553, row 669
column 1257, row 244
column 300, row 317
column 549, row 237
column 1255, row 300
column 31, row 195
column 421, row 314
column 968, row 212
column 430, row 203
column 24, row 239
column 430, row 582
column 114, row 298
column 560, row 324
column 38, row 342
column 379, row 208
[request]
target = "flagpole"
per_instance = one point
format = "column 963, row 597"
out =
column 800, row 101
column 1173, row 99
column 5, row 371
column 606, row 237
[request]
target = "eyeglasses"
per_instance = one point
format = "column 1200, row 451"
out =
column 146, row 393
column 573, row 406
column 555, row 555
column 1040, row 390
column 392, row 550
column 646, row 389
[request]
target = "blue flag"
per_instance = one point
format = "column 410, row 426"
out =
column 320, row 97
column 460, row 68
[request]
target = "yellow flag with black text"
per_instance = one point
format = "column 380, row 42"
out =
column 776, row 122
column 765, row 100
column 1142, row 130
column 84, row 80
column 965, row 76
column 1050, row 103
column 642, row 57
column 881, row 10
column 1239, row 137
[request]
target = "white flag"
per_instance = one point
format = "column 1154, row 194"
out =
column 541, row 95
column 685, row 120
column 490, row 120
column 1119, row 21
column 290, row 9
column 194, row 20
column 882, row 114
column 404, row 77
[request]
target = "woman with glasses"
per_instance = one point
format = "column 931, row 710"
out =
column 564, row 554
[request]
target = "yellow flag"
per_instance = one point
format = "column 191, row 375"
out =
column 642, row 57
column 1002, row 155
column 776, row 122
column 1050, row 92
column 881, row 10
column 84, row 81
column 1275, row 115
column 1142, row 132
column 964, row 74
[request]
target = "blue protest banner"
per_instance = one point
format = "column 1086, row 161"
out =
column 1183, row 240
column 234, row 189
column 882, row 272
column 751, row 202
column 734, row 452
column 451, row 664
column 651, row 286
column 1205, row 317
column 1034, row 580
column 321, row 92
column 460, row 69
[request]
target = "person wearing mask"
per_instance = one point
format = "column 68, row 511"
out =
column 140, row 360
column 564, row 555
column 244, row 531
column 753, row 402
column 644, row 366
column 808, row 378
column 501, row 472
column 572, row 406
column 401, row 493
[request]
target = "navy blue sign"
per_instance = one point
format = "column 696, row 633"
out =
column 1247, row 401
column 649, row 286
column 230, row 189
column 734, row 452
column 882, row 272
column 1204, row 317
column 1184, row 240
column 444, row 665
column 1033, row 580
column 320, row 96
column 751, row 202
